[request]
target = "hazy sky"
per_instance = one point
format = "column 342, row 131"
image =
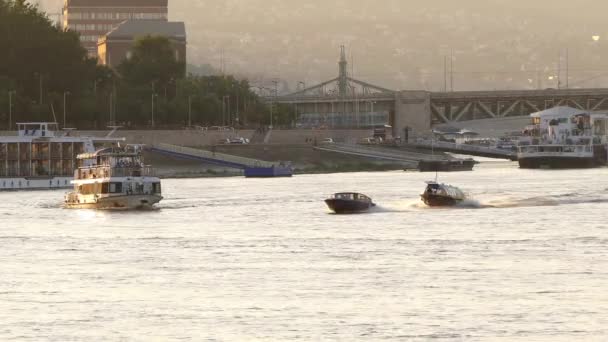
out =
column 399, row 44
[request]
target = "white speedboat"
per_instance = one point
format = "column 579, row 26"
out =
column 117, row 179
column 40, row 156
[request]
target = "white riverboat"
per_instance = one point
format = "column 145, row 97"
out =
column 40, row 156
column 564, row 137
column 116, row 179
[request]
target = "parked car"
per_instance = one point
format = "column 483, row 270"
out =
column 239, row 141
column 367, row 141
column 220, row 128
column 327, row 141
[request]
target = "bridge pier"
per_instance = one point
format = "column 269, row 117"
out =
column 412, row 111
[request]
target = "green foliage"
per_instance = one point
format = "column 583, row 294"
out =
column 152, row 62
column 41, row 62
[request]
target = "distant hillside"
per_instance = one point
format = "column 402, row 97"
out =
column 501, row 44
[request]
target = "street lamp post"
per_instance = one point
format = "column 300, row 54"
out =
column 295, row 119
column 225, row 98
column 236, row 114
column 276, row 94
column 40, row 86
column 371, row 114
column 10, row 107
column 152, row 121
column 189, row 111
column 65, row 94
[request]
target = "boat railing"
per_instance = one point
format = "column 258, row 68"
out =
column 108, row 171
column 40, row 156
column 555, row 148
column 72, row 197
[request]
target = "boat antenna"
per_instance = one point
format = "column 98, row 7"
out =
column 433, row 151
column 53, row 111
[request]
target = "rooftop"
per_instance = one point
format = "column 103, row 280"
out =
column 134, row 28
column 560, row 111
column 116, row 3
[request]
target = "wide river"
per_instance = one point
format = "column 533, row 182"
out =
column 234, row 259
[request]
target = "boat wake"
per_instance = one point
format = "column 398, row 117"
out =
column 499, row 203
column 386, row 209
column 544, row 201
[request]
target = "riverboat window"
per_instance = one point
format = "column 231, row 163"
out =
column 84, row 189
column 156, row 188
column 344, row 196
column 105, row 188
column 115, row 188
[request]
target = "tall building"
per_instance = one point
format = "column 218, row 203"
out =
column 94, row 18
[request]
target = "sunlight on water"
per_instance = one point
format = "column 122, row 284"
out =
column 523, row 259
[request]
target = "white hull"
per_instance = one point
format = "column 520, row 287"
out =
column 121, row 202
column 22, row 183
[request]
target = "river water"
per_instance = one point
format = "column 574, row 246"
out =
column 233, row 259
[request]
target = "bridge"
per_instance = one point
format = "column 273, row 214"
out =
column 345, row 102
column 475, row 105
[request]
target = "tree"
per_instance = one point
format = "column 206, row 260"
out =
column 152, row 61
column 41, row 60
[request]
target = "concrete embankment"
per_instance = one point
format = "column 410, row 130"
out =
column 199, row 138
column 304, row 158
column 296, row 146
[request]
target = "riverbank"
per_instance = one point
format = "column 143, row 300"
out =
column 304, row 159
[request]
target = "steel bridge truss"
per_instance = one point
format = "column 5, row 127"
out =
column 331, row 88
column 464, row 106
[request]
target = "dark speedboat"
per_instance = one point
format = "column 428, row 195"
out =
column 441, row 195
column 349, row 203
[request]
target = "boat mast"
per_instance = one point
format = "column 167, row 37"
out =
column 433, row 151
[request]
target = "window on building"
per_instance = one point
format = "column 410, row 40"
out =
column 87, row 38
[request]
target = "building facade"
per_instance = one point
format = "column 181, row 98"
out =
column 116, row 45
column 94, row 18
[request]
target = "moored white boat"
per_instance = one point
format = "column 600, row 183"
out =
column 564, row 138
column 40, row 156
column 117, row 180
